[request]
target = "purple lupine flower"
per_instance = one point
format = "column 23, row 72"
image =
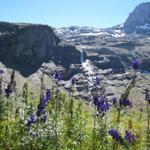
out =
column 99, row 104
column 115, row 135
column 1, row 71
column 135, row 64
column 8, row 91
column 114, row 101
column 129, row 137
column 95, row 100
column 38, row 113
column 97, row 81
column 43, row 111
column 40, row 108
column 125, row 102
column 102, row 106
column 73, row 81
column 46, row 98
column 44, row 117
column 107, row 104
column 30, row 120
column 48, row 94
column 103, row 98
column 147, row 96
column 44, row 101
column 57, row 75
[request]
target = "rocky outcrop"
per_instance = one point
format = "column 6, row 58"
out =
column 138, row 19
column 25, row 47
column 110, row 48
column 66, row 55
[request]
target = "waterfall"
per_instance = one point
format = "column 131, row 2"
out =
column 81, row 57
column 89, row 70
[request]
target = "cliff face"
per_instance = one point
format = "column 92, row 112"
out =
column 109, row 48
column 25, row 47
column 140, row 17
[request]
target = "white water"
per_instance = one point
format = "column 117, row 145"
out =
column 81, row 57
column 87, row 66
column 88, row 70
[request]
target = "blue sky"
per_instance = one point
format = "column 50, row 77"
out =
column 60, row 13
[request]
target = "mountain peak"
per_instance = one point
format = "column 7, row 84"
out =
column 138, row 18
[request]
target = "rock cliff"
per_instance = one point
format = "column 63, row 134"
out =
column 139, row 19
column 25, row 47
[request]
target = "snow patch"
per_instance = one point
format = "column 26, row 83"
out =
column 118, row 35
column 93, row 34
column 144, row 27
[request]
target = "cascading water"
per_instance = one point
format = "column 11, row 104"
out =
column 81, row 57
column 88, row 70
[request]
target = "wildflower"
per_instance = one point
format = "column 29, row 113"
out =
column 1, row 79
column 103, row 98
column 129, row 137
column 125, row 102
column 57, row 76
column 107, row 104
column 135, row 64
column 73, row 81
column 38, row 113
column 44, row 101
column 48, row 94
column 1, row 71
column 115, row 135
column 114, row 101
column 102, row 106
column 95, row 100
column 30, row 120
column 44, row 117
column 41, row 108
column 8, row 90
column 11, row 85
column 147, row 96
column 97, row 81
column 99, row 104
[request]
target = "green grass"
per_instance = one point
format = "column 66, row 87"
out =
column 65, row 123
column 65, row 132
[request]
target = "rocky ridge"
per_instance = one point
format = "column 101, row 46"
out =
column 139, row 20
column 81, row 52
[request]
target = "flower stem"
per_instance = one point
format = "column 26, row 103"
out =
column 148, row 125
column 94, row 129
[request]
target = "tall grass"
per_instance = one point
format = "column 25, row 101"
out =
column 55, row 121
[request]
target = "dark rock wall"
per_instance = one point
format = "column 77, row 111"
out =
column 139, row 17
column 25, row 47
